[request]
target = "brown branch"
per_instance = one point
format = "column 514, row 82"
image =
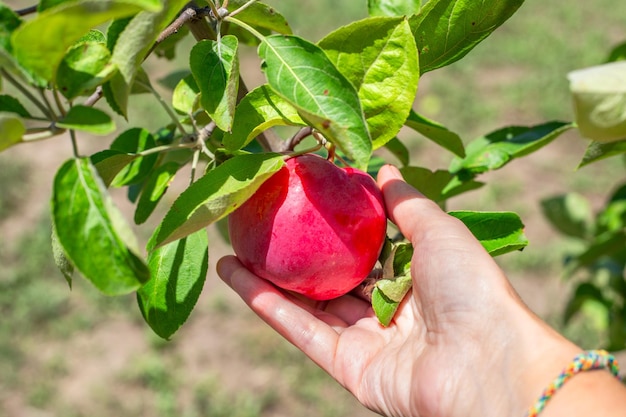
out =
column 93, row 99
column 26, row 10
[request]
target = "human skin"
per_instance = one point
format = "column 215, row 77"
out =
column 461, row 344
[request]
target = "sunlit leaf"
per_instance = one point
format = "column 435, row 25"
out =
column 219, row 192
column 393, row 7
column 301, row 73
column 178, row 272
column 446, row 30
column 378, row 56
column 93, row 233
column 11, row 130
column 85, row 66
column 597, row 151
column 258, row 111
column 87, row 119
column 498, row 232
column 215, row 67
column 185, row 95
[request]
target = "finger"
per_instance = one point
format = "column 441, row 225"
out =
column 292, row 320
column 418, row 217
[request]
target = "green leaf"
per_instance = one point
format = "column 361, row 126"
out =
column 498, row 148
column 600, row 101
column 597, row 151
column 215, row 67
column 261, row 16
column 584, row 292
column 219, row 192
column 11, row 130
column 134, row 141
column 604, row 245
column 10, row 104
column 379, row 57
column 439, row 185
column 87, row 119
column 390, row 291
column 570, row 214
column 132, row 44
column 48, row 4
column 154, row 189
column 399, row 150
column 60, row 259
column 393, row 7
column 9, row 21
column 258, row 111
column 437, row 133
column 185, row 95
column 85, row 66
column 92, row 231
column 109, row 163
column 618, row 53
column 446, row 30
column 498, row 232
column 301, row 73
column 178, row 272
column 41, row 43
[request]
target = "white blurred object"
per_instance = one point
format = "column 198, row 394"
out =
column 599, row 95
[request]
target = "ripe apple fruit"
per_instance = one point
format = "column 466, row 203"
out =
column 313, row 228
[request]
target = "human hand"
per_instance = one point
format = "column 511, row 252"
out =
column 456, row 342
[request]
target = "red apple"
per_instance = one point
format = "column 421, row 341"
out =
column 312, row 228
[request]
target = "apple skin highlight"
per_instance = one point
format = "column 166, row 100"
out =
column 312, row 228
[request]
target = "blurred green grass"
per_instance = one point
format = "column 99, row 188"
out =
column 516, row 76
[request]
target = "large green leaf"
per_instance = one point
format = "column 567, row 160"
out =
column 498, row 232
column 215, row 67
column 446, row 30
column 218, row 193
column 11, row 130
column 301, row 73
column 379, row 57
column 600, row 101
column 40, row 43
column 178, row 272
column 259, row 110
column 437, row 133
column 87, row 119
column 131, row 47
column 498, row 148
column 92, row 232
column 393, row 7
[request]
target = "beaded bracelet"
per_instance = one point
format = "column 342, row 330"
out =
column 586, row 361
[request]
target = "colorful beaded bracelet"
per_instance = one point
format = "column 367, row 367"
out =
column 586, row 361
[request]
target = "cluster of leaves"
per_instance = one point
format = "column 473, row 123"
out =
column 353, row 90
column 598, row 269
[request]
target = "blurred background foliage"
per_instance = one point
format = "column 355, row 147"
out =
column 77, row 353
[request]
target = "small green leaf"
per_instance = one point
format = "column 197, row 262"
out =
column 41, row 43
column 446, row 30
column 570, row 214
column 87, row 119
column 10, row 104
column 498, row 148
column 92, row 232
column 259, row 110
column 393, row 7
column 215, row 67
column 600, row 101
column 185, row 95
column 178, row 272
column 390, row 291
column 11, row 130
column 131, row 47
column 439, row 185
column 109, row 163
column 597, row 151
column 301, row 73
column 261, row 16
column 437, row 133
column 498, row 232
column 379, row 57
column 85, row 66
column 134, row 141
column 618, row 53
column 219, row 192
column 154, row 189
